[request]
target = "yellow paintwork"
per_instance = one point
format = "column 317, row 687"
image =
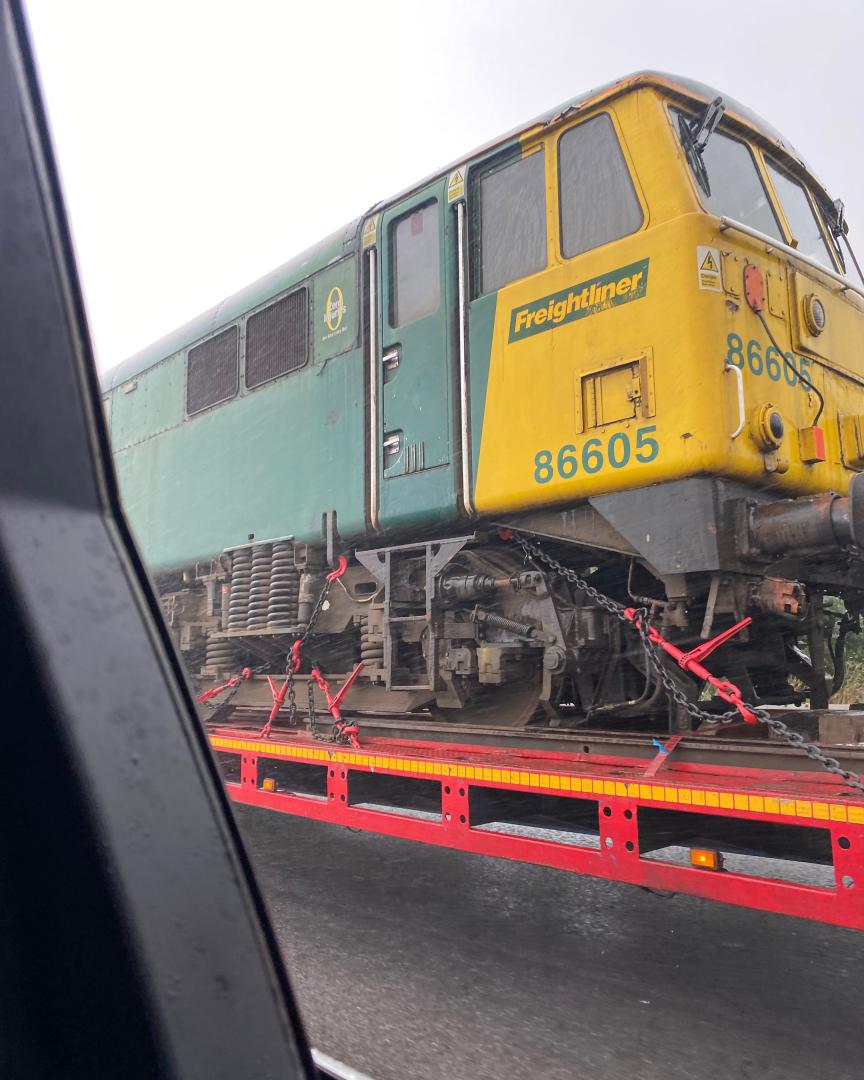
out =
column 676, row 331
column 657, row 793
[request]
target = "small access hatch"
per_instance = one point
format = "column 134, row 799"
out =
column 621, row 390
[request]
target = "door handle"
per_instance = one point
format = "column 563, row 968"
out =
column 390, row 359
column 393, row 443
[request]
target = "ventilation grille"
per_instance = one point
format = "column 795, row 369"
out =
column 277, row 339
column 212, row 371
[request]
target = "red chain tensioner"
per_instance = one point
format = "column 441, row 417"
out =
column 214, row 691
column 348, row 728
column 692, row 662
column 279, row 693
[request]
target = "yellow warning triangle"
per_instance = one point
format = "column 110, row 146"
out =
column 708, row 263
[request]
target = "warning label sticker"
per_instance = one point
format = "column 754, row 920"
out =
column 456, row 185
column 370, row 231
column 708, row 268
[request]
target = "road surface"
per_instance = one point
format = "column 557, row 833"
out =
column 419, row 962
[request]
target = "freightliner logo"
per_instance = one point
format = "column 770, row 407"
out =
column 596, row 294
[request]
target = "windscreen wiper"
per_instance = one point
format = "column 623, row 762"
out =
column 835, row 215
column 695, row 133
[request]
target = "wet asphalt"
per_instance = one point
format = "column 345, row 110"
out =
column 417, row 962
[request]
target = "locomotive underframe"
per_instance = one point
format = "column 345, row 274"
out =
column 460, row 628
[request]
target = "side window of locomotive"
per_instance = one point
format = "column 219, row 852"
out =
column 277, row 339
column 415, row 265
column 800, row 215
column 511, row 222
column 212, row 371
column 598, row 200
column 736, row 188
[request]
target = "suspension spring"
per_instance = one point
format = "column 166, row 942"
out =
column 221, row 656
column 371, row 644
column 241, row 579
column 259, row 589
column 284, row 587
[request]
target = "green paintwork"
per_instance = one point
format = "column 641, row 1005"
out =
column 269, row 463
column 335, row 328
column 416, row 397
column 481, row 323
column 275, row 283
column 150, row 403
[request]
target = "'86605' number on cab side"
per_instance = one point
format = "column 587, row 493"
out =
column 614, row 451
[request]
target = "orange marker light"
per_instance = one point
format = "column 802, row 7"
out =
column 707, row 860
column 269, row 784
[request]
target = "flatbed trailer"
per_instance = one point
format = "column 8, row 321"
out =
column 751, row 824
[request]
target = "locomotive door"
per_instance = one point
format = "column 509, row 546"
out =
column 414, row 373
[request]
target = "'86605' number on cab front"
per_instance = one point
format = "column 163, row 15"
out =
column 614, row 451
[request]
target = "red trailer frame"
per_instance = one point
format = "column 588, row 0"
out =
column 607, row 817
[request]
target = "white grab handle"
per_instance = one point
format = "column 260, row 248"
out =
column 741, row 417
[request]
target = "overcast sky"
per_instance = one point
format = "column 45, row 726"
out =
column 203, row 143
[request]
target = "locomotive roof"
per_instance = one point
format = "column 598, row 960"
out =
column 340, row 242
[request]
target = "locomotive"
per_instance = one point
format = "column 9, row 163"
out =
column 629, row 332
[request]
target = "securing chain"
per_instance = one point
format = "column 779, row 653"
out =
column 333, row 735
column 641, row 623
column 229, row 689
column 293, row 665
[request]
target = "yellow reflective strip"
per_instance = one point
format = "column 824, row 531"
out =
column 756, row 803
column 726, row 801
column 597, row 785
column 856, row 814
column 633, row 791
column 772, row 805
column 838, row 813
column 534, row 779
column 524, row 779
column 739, row 802
column 620, row 789
column 576, row 784
column 671, row 794
column 657, row 793
column 644, row 791
column 544, row 780
column 803, row 808
column 787, row 807
column 820, row 810
column 565, row 783
column 698, row 798
column 685, row 795
column 555, row 781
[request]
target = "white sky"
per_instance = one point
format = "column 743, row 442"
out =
column 203, row 143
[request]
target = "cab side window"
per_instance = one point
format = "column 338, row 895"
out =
column 799, row 213
column 598, row 201
column 415, row 264
column 511, row 222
